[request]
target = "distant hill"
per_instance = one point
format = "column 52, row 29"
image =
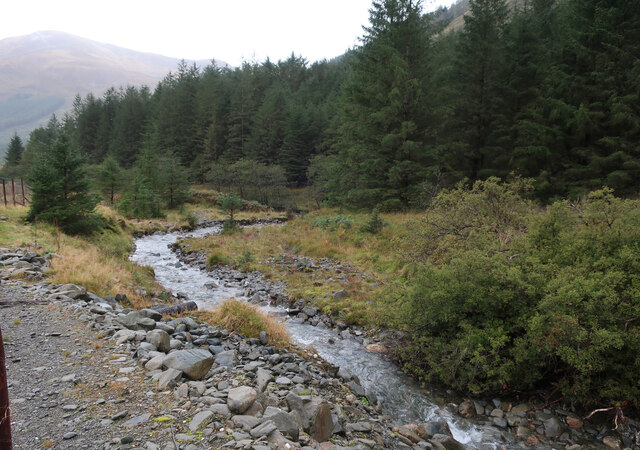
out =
column 454, row 15
column 41, row 73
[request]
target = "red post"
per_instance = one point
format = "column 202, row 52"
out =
column 4, row 192
column 13, row 192
column 5, row 415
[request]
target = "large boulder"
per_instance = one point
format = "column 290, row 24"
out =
column 194, row 363
column 160, row 339
column 136, row 321
column 241, row 398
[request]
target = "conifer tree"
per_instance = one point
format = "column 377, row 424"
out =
column 109, row 177
column 61, row 192
column 476, row 151
column 13, row 156
column 381, row 141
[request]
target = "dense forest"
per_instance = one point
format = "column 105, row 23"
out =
column 548, row 90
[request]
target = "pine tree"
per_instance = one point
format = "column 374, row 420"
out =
column 61, row 192
column 13, row 156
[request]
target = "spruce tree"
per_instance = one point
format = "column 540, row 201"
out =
column 13, row 156
column 383, row 121
column 477, row 151
column 109, row 177
column 61, row 193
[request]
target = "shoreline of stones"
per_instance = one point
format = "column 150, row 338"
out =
column 238, row 392
column 531, row 423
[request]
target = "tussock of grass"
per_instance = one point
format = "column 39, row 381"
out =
column 248, row 321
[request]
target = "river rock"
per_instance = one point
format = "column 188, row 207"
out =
column 447, row 442
column 194, row 363
column 168, row 378
column 227, row 359
column 160, row 339
column 263, row 377
column 552, row 427
column 240, row 399
column 155, row 363
column 200, row 420
column 71, row 290
column 220, row 409
column 245, row 422
column 136, row 321
column 322, row 424
column 151, row 314
column 284, row 421
column 467, row 409
column 612, row 442
column 429, row 429
column 264, row 429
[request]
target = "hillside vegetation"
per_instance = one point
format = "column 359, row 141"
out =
column 482, row 185
column 547, row 90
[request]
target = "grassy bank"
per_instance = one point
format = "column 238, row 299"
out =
column 345, row 258
column 99, row 262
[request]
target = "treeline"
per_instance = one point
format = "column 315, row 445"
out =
column 547, row 90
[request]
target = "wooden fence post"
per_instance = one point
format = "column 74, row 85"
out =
column 4, row 192
column 5, row 414
column 24, row 199
column 13, row 192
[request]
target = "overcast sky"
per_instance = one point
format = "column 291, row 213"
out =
column 229, row 30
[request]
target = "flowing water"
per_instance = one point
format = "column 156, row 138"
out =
column 402, row 399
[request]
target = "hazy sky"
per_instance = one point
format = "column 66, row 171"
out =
column 229, row 30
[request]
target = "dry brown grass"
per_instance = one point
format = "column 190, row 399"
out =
column 376, row 255
column 87, row 265
column 247, row 320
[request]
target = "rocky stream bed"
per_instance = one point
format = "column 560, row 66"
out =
column 84, row 372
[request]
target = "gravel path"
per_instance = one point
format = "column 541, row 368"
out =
column 67, row 390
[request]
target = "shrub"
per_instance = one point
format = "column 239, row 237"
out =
column 192, row 220
column 216, row 259
column 507, row 296
column 230, row 226
column 374, row 223
column 246, row 257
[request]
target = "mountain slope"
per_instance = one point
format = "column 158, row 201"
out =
column 41, row 73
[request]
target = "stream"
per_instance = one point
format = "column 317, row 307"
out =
column 402, row 399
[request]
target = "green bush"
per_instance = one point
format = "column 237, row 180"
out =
column 192, row 220
column 246, row 257
column 216, row 259
column 506, row 295
column 230, row 226
column 374, row 223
